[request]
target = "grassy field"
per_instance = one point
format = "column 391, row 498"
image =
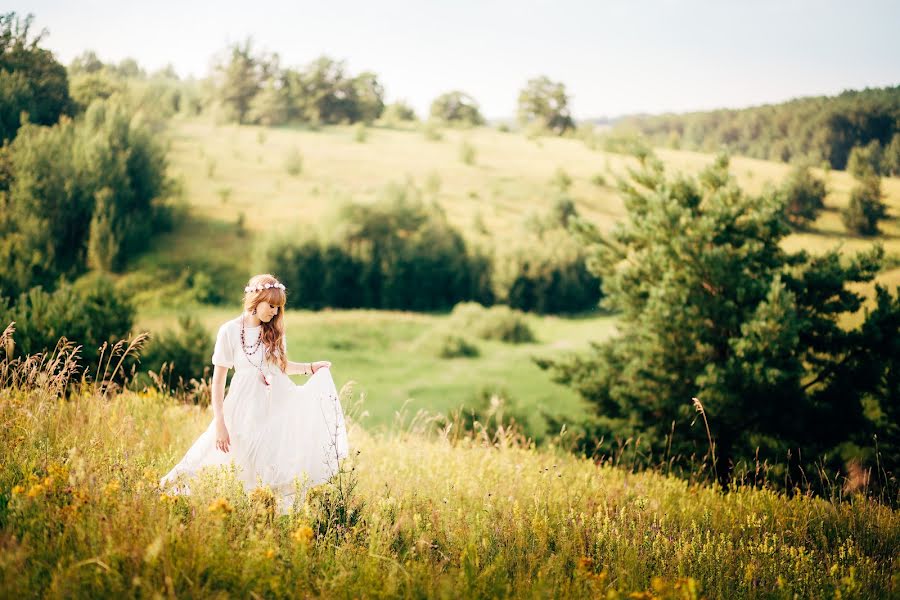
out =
column 410, row 516
column 390, row 357
column 233, row 172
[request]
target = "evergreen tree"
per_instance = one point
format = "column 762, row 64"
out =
column 711, row 306
column 803, row 196
column 866, row 206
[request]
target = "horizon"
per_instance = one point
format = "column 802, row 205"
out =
column 616, row 59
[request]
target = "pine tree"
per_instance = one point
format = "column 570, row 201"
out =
column 711, row 306
column 866, row 207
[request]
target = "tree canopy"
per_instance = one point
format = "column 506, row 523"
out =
column 711, row 306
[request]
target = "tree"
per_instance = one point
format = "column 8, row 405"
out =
column 327, row 93
column 398, row 112
column 711, row 306
column 545, row 102
column 271, row 106
column 866, row 207
column 456, row 107
column 865, row 160
column 31, row 79
column 86, row 62
column 803, row 196
column 368, row 95
column 241, row 77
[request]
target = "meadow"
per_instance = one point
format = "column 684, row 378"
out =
column 420, row 511
column 240, row 196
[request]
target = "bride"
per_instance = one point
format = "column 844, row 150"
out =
column 274, row 431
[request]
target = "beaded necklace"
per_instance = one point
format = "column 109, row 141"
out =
column 253, row 348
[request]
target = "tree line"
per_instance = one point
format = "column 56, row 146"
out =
column 822, row 129
column 401, row 253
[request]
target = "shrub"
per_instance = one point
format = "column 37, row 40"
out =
column 89, row 312
column 803, row 196
column 500, row 323
column 360, row 133
column 866, row 207
column 467, row 153
column 456, row 346
column 178, row 356
column 293, row 163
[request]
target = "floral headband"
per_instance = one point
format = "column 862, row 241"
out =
column 261, row 286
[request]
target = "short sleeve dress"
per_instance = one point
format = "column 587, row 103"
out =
column 280, row 434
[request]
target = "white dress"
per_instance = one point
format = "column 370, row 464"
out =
column 277, row 435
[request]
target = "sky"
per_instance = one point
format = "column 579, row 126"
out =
column 614, row 57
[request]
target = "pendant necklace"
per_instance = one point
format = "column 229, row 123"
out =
column 253, row 349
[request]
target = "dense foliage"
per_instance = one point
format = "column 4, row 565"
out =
column 79, row 194
column 88, row 312
column 817, row 128
column 32, row 81
column 712, row 307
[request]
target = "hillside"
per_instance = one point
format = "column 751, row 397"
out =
column 410, row 516
column 228, row 173
column 383, row 351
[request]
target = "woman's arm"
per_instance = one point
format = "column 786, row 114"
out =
column 299, row 368
column 218, row 391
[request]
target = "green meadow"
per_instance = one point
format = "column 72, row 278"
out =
column 239, row 195
column 413, row 513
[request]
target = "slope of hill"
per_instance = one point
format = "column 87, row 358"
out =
column 409, row 516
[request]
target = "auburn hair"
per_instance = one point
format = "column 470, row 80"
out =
column 272, row 333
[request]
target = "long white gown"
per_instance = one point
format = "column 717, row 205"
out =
column 293, row 431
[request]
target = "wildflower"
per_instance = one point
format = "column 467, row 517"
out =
column 303, row 534
column 18, row 489
column 111, row 488
column 585, row 563
column 36, row 490
column 220, row 507
column 270, row 553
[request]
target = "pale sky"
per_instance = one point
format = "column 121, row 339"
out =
column 615, row 57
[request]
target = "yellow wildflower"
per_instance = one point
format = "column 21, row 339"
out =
column 303, row 534
column 270, row 553
column 111, row 488
column 221, row 507
column 18, row 489
column 36, row 490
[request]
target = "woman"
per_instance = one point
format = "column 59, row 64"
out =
column 272, row 429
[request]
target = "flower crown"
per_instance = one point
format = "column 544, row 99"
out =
column 263, row 286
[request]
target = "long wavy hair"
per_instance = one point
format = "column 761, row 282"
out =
column 272, row 332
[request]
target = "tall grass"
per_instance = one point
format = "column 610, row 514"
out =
column 425, row 511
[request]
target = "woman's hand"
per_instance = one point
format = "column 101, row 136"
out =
column 223, row 442
column 315, row 366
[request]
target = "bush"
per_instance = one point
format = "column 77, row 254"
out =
column 360, row 133
column 467, row 153
column 500, row 323
column 178, row 356
column 293, row 163
column 803, row 196
column 396, row 253
column 457, row 346
column 432, row 131
column 89, row 312
column 561, row 180
column 865, row 208
column 547, row 273
column 492, row 407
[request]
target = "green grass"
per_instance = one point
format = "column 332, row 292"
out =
column 387, row 353
column 389, row 357
column 410, row 516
